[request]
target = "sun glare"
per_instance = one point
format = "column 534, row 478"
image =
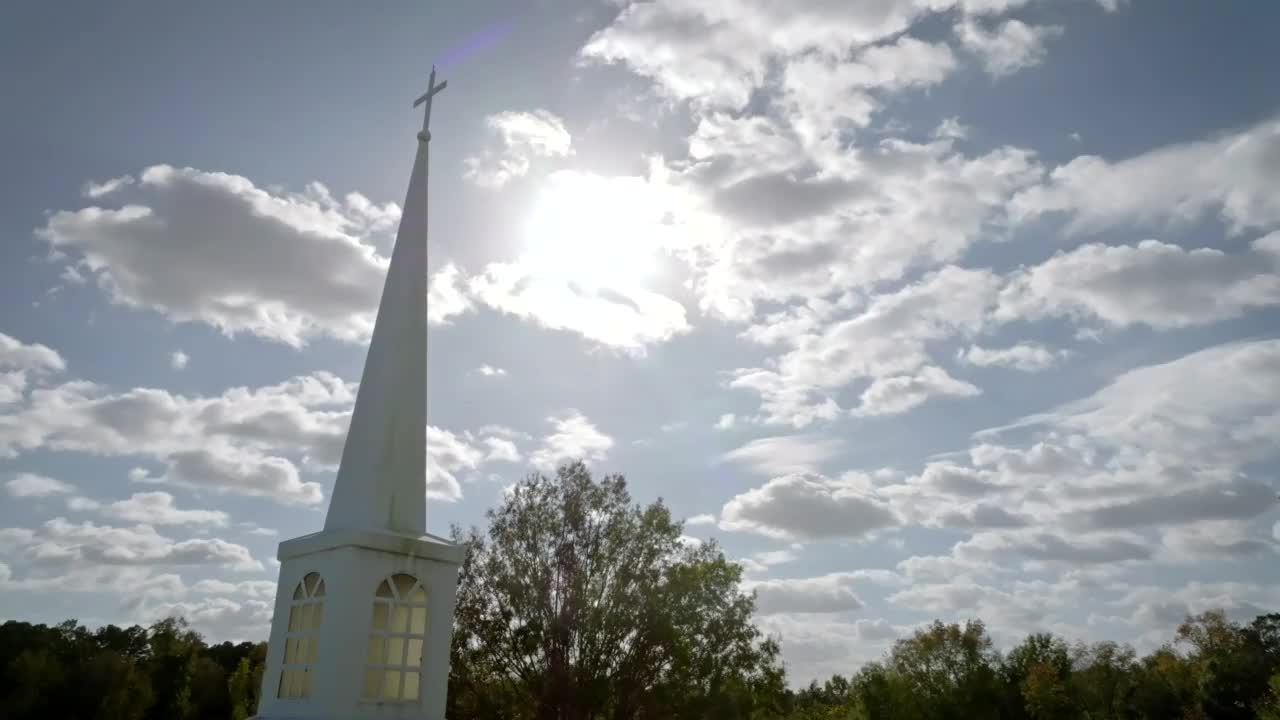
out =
column 596, row 232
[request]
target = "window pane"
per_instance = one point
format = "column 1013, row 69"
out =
column 395, row 651
column 293, row 684
column 305, row 689
column 297, row 592
column 320, row 590
column 384, row 590
column 391, row 684
column 284, row 684
column 375, row 656
column 399, row 619
column 317, row 614
column 379, row 616
column 413, row 653
column 419, row 624
column 372, row 679
column 311, row 579
column 411, row 685
column 404, row 583
column 294, row 614
column 313, row 649
column 419, row 596
column 291, row 651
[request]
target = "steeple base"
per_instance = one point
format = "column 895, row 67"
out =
column 362, row 627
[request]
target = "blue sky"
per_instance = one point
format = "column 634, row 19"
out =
column 921, row 309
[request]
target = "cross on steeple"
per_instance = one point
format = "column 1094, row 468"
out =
column 432, row 89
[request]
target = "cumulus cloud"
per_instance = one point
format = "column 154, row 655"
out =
column 1024, row 356
column 224, row 443
column 831, row 593
column 59, row 542
column 887, row 341
column 808, row 506
column 20, row 361
column 158, row 508
column 214, row 248
column 574, row 438
column 178, row 360
column 1152, row 283
column 1231, row 176
column 900, row 393
column 24, row 485
column 1008, row 47
column 520, row 137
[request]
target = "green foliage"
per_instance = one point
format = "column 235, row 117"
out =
column 118, row 673
column 580, row 604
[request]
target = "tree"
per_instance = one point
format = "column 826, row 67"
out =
column 1103, row 675
column 579, row 604
column 1036, row 676
column 174, row 648
column 1230, row 663
column 244, row 685
column 1269, row 706
column 950, row 670
column 116, row 685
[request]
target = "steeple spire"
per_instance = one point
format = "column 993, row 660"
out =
column 381, row 483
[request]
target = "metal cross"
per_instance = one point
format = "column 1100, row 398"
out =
column 432, row 89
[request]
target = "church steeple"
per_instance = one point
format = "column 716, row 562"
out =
column 363, row 620
column 381, row 483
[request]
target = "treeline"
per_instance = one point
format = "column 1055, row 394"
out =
column 1212, row 669
column 162, row 672
column 577, row 604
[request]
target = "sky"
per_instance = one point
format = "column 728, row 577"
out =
column 919, row 308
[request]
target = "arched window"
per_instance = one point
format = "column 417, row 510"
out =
column 394, row 661
column 301, row 642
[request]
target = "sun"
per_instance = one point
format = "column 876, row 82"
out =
column 592, row 231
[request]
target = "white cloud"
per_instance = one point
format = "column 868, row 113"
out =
column 808, row 506
column 952, row 128
column 785, row 454
column 157, row 508
column 1232, row 175
column 231, row 619
column 178, row 360
column 490, row 371
column 521, row 137
column 1024, row 356
column 60, row 542
column 574, row 438
column 1151, row 283
column 446, row 295
column 831, row 593
column 1010, row 46
column 96, row 190
column 32, row 485
column 18, row 361
column 226, row 443
column 899, row 393
column 214, row 248
column 726, row 422
column 886, row 341
column 703, row 519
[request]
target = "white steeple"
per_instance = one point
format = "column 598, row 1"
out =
column 381, row 482
column 364, row 608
